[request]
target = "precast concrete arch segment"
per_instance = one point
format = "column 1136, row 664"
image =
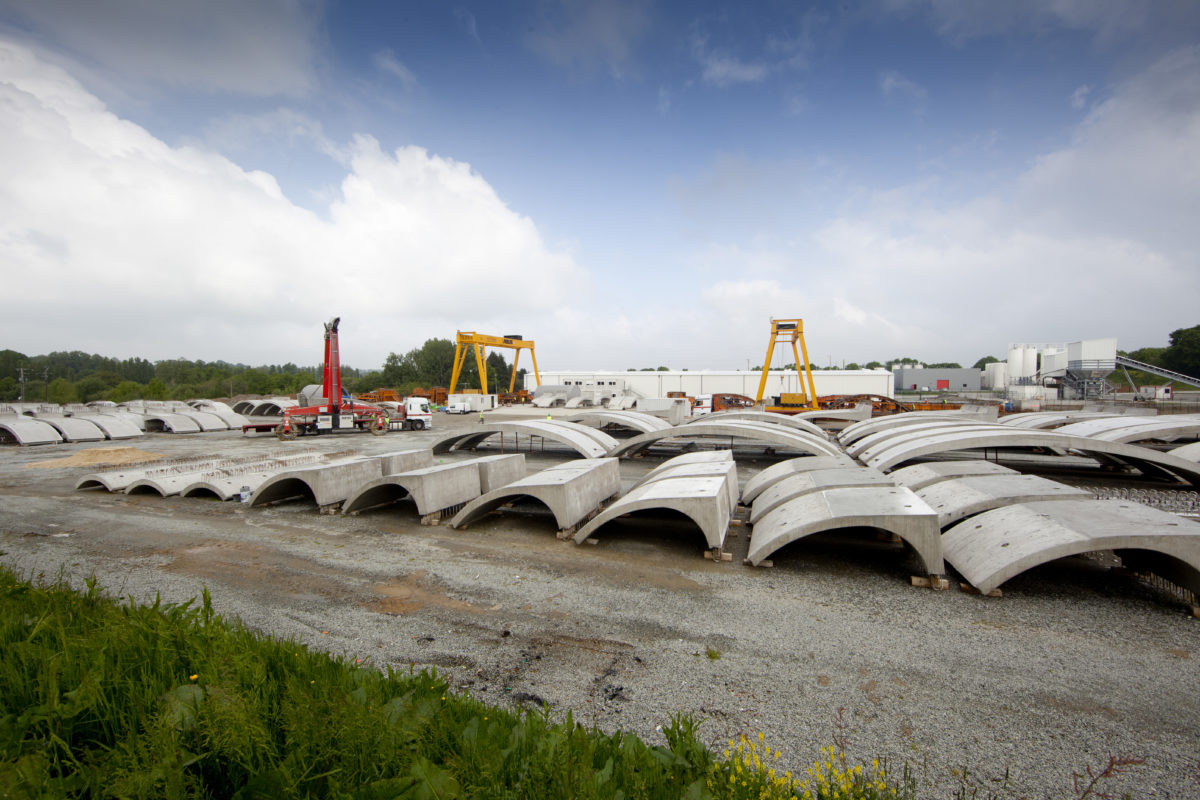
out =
column 802, row 483
column 113, row 426
column 588, row 442
column 1153, row 462
column 631, row 420
column 74, row 429
column 704, row 500
column 699, row 469
column 1189, row 452
column 893, row 509
column 1046, row 420
column 777, row 472
column 327, row 484
column 918, row 476
column 164, row 422
column 1101, row 428
column 912, row 431
column 767, row 417
column 571, row 491
column 432, row 488
column 698, row 457
column 763, row 433
column 958, row 498
column 1165, row 429
column 27, row 431
column 989, row 549
column 867, row 427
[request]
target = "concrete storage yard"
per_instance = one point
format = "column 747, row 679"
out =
column 1073, row 664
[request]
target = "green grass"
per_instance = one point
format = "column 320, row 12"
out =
column 106, row 700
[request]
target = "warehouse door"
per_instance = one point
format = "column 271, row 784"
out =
column 943, row 384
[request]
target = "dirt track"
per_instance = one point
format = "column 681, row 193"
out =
column 1070, row 666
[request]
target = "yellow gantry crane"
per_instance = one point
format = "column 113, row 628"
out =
column 480, row 342
column 789, row 330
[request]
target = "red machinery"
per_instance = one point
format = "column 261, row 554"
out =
column 332, row 412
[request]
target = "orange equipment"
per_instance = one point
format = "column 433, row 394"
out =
column 480, row 343
column 790, row 330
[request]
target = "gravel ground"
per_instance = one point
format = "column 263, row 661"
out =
column 1073, row 664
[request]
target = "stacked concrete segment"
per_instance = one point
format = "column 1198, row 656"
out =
column 893, row 509
column 167, row 422
column 632, row 420
column 436, row 488
column 726, row 469
column 1150, row 462
column 588, row 442
column 242, row 480
column 768, row 417
column 914, row 431
column 1188, row 452
column 114, row 426
column 703, row 499
column 773, row 436
column 918, row 476
column 865, row 428
column 784, row 469
column 572, row 491
column 802, row 483
column 1047, row 420
column 1134, row 429
column 73, row 429
column 328, row 485
column 997, row 545
column 958, row 498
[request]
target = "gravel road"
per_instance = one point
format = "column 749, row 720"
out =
column 1073, row 664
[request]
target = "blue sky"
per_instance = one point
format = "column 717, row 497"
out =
column 628, row 183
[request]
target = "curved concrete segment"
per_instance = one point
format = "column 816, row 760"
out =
column 760, row 432
column 802, row 483
column 1046, row 420
column 918, row 476
column 784, row 469
column 997, row 545
column 164, row 422
column 704, row 500
column 438, row 487
column 1188, row 452
column 327, row 484
column 27, row 431
column 698, row 469
column 1112, row 427
column 1150, row 462
column 770, row 418
column 205, row 420
column 572, row 491
column 860, row 412
column 959, row 498
column 588, row 442
column 698, row 457
column 893, row 509
column 631, row 420
column 114, row 426
column 1165, row 429
column 909, row 432
column 858, row 430
column 73, row 429
column 239, row 480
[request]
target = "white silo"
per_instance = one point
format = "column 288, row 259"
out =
column 1016, row 360
column 1029, row 366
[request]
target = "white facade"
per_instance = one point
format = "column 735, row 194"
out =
column 657, row 384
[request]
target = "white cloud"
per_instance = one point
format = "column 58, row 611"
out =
column 255, row 47
column 1079, row 97
column 892, row 83
column 386, row 61
column 721, row 69
column 117, row 243
column 587, row 34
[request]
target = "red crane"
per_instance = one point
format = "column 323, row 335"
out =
column 333, row 412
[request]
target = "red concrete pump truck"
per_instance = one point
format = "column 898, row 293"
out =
column 331, row 411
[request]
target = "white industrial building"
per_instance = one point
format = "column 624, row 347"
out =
column 657, row 384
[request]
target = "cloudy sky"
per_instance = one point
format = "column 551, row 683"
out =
column 628, row 183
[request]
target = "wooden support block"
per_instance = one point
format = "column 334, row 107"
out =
column 969, row 589
column 930, row 582
column 432, row 519
column 712, row 556
column 592, row 540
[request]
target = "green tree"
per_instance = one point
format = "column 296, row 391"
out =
column 945, row 365
column 1183, row 352
column 156, row 390
column 983, row 362
column 873, row 365
column 62, row 391
column 126, row 391
column 400, row 369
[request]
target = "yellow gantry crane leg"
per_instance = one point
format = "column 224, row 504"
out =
column 790, row 330
column 480, row 342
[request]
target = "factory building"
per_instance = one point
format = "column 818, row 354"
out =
column 658, row 384
column 910, row 378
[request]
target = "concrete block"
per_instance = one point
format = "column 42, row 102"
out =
column 893, row 509
column 431, row 488
column 704, row 500
column 959, row 498
column 326, row 485
column 759, row 483
column 802, row 483
column 572, row 491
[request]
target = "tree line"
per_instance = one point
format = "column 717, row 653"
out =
column 78, row 377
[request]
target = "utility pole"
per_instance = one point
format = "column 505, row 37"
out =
column 21, row 379
column 45, row 384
